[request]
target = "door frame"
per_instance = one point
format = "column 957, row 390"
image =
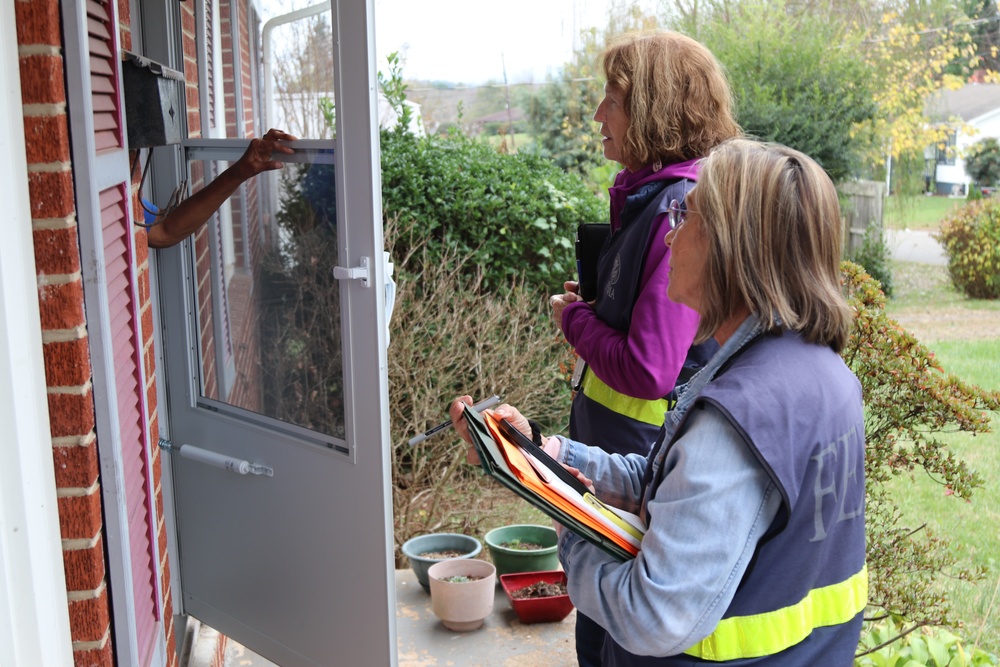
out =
column 364, row 334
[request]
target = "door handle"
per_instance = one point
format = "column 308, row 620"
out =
column 238, row 466
column 354, row 273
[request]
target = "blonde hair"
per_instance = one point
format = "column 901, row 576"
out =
column 677, row 96
column 772, row 221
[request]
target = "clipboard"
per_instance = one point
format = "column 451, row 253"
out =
column 577, row 514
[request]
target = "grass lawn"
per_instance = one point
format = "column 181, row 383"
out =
column 920, row 212
column 969, row 528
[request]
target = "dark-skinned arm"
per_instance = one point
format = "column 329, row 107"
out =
column 195, row 211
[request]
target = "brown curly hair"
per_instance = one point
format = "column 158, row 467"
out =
column 676, row 94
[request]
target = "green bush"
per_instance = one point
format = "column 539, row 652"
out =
column 506, row 215
column 928, row 647
column 909, row 401
column 971, row 239
column 875, row 257
column 982, row 163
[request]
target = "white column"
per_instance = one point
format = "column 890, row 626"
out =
column 34, row 616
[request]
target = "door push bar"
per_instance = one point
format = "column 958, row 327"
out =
column 239, row 466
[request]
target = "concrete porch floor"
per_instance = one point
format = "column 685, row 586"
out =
column 423, row 641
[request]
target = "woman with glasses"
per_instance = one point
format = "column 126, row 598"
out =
column 666, row 104
column 753, row 494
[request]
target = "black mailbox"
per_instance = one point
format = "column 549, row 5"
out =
column 153, row 102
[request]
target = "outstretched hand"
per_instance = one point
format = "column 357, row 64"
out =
column 257, row 157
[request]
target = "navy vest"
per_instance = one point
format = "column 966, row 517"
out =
column 799, row 409
column 619, row 277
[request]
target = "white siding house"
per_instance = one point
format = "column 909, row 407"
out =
column 977, row 106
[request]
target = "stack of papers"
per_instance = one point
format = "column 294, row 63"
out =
column 520, row 465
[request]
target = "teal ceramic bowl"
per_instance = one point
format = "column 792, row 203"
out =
column 425, row 550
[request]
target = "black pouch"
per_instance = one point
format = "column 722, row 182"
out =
column 590, row 238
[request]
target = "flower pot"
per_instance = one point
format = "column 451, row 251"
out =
column 436, row 543
column 510, row 559
column 537, row 609
column 462, row 605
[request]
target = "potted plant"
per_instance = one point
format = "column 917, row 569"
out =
column 425, row 550
column 538, row 597
column 523, row 548
column 462, row 591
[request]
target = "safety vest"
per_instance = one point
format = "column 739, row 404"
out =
column 799, row 408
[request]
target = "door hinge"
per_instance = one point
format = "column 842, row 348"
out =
column 354, row 273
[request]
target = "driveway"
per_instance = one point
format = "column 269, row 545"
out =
column 909, row 245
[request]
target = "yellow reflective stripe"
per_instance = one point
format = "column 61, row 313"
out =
column 774, row 631
column 639, row 409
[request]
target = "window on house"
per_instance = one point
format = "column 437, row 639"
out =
column 946, row 150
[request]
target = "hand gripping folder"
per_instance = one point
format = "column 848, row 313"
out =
column 520, row 465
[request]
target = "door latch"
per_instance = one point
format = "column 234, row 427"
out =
column 354, row 273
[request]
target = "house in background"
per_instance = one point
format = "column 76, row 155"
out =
column 973, row 112
column 163, row 461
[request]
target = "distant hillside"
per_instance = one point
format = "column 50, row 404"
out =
column 439, row 102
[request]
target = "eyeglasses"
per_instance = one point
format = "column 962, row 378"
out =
column 676, row 214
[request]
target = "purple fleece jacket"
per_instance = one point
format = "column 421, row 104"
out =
column 644, row 361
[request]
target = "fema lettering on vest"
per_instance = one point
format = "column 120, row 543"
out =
column 836, row 481
column 616, row 271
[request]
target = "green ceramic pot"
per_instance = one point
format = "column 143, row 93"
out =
column 508, row 558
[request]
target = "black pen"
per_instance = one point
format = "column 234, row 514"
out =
column 478, row 407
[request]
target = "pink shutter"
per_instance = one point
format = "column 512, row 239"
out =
column 103, row 79
column 120, row 280
column 131, row 401
column 210, row 59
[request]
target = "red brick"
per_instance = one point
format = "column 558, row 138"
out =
column 77, row 466
column 84, row 567
column 67, row 363
column 46, row 139
column 57, row 251
column 141, row 253
column 61, row 305
column 98, row 657
column 124, row 17
column 80, row 516
column 71, row 414
column 38, row 22
column 89, row 620
column 42, row 80
column 51, row 194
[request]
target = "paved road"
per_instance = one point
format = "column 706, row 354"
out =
column 915, row 246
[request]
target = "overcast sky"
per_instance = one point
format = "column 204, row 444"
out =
column 470, row 41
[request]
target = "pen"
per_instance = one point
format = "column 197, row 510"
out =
column 478, row 407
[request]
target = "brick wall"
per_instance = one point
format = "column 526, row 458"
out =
column 64, row 334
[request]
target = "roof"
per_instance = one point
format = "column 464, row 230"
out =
column 969, row 102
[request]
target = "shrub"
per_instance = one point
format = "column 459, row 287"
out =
column 908, row 400
column 930, row 647
column 451, row 336
column 875, row 257
column 503, row 215
column 971, row 239
column 982, row 162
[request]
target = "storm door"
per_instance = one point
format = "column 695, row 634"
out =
column 274, row 347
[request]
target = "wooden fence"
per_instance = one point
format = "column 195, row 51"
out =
column 861, row 205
